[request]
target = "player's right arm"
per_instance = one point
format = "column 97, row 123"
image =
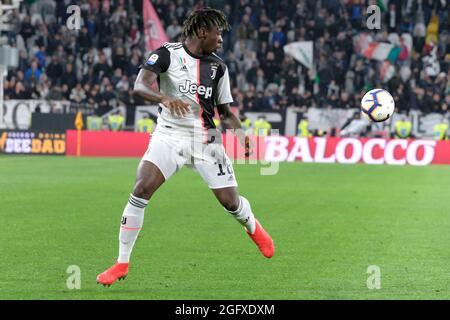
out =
column 157, row 63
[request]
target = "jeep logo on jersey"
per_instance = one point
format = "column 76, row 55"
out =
column 192, row 88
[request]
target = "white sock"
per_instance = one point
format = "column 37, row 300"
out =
column 245, row 215
column 132, row 220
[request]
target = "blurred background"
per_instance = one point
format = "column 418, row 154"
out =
column 299, row 66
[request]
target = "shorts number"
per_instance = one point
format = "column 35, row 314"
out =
column 221, row 172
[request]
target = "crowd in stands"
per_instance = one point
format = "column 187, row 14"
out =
column 96, row 66
column 92, row 69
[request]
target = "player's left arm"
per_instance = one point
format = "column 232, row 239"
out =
column 227, row 118
column 230, row 121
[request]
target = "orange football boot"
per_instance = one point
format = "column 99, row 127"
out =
column 262, row 240
column 118, row 271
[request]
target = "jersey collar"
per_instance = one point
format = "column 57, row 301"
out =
column 190, row 53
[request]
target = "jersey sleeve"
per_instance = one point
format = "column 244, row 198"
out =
column 223, row 89
column 158, row 61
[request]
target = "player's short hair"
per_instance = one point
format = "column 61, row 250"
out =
column 204, row 18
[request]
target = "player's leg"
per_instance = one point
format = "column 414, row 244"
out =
column 158, row 164
column 148, row 179
column 239, row 207
column 216, row 169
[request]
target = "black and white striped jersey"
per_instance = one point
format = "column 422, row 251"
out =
column 203, row 82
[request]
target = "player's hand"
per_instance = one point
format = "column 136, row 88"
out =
column 176, row 106
column 248, row 145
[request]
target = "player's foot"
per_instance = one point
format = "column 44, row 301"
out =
column 118, row 271
column 262, row 240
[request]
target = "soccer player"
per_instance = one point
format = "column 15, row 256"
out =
column 192, row 81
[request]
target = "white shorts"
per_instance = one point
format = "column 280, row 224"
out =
column 171, row 151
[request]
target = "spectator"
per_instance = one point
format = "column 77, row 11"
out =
column 444, row 108
column 27, row 30
column 436, row 103
column 119, row 59
column 69, row 76
column 20, row 92
column 123, row 85
column 77, row 95
column 33, row 73
column 278, row 36
column 102, row 68
column 295, row 99
column 116, row 77
column 245, row 31
column 173, row 30
column 43, row 88
column 344, row 101
column 233, row 66
column 270, row 67
column 419, row 101
column 133, row 66
column 54, row 71
column 84, row 40
column 270, row 101
column 134, row 35
column 65, row 92
column 251, row 73
column 249, row 99
column 392, row 18
column 107, row 100
column 264, row 29
column 40, row 56
column 93, row 100
column 260, row 81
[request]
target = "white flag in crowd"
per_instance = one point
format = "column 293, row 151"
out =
column 302, row 51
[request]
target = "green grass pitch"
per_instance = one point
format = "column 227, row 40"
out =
column 329, row 224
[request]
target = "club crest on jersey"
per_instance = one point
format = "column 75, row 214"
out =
column 189, row 87
column 213, row 71
column 153, row 58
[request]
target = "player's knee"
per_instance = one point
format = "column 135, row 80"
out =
column 143, row 191
column 230, row 204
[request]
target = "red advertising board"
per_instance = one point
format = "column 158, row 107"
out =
column 280, row 148
column 354, row 150
column 107, row 143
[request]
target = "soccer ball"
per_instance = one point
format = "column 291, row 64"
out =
column 377, row 105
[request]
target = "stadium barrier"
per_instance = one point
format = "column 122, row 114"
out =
column 281, row 148
column 18, row 114
column 54, row 122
